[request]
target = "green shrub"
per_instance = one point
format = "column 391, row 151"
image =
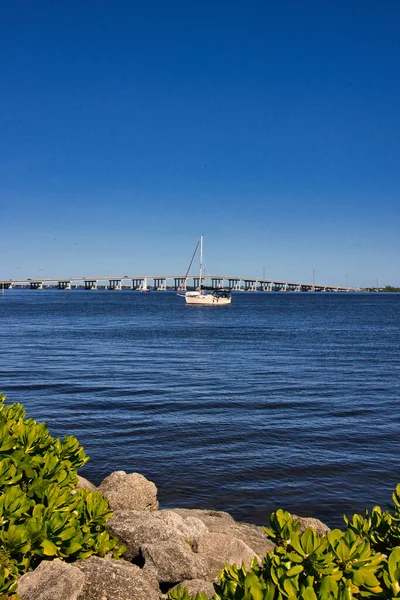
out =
column 180, row 594
column 361, row 562
column 380, row 528
column 42, row 516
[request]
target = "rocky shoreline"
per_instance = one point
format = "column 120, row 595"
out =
column 164, row 548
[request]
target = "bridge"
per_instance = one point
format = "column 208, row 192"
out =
column 174, row 282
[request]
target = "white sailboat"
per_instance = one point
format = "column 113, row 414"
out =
column 200, row 296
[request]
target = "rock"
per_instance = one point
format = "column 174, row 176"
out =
column 52, row 580
column 114, row 580
column 222, row 522
column 316, row 524
column 129, row 491
column 219, row 549
column 175, row 561
column 170, row 562
column 171, row 547
column 84, row 484
column 215, row 520
column 253, row 536
column 135, row 528
column 197, row 586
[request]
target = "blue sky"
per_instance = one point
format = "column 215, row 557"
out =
column 127, row 129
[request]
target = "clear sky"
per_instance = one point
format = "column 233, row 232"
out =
column 128, row 128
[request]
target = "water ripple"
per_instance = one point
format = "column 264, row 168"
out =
column 280, row 400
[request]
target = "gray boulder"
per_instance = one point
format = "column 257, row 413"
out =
column 219, row 549
column 254, row 536
column 108, row 579
column 84, row 484
column 172, row 547
column 169, row 562
column 316, row 524
column 52, row 580
column 175, row 561
column 215, row 520
column 129, row 491
column 134, row 528
column 222, row 522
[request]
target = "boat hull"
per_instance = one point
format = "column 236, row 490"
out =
column 206, row 299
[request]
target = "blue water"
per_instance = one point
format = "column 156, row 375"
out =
column 279, row 400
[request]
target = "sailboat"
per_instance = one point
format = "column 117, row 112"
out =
column 200, row 296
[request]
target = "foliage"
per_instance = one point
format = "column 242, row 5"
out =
column 361, row 562
column 387, row 288
column 42, row 516
column 180, row 594
column 380, row 528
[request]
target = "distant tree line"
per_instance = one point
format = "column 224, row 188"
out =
column 387, row 288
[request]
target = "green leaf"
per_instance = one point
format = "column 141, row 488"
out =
column 290, row 587
column 73, row 548
column 256, row 592
column 296, row 570
column 309, row 594
column 309, row 540
column 394, row 564
column 342, row 550
column 329, row 585
column 49, row 549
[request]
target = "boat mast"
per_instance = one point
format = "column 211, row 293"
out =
column 201, row 261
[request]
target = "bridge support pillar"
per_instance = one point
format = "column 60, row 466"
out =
column 179, row 281
column 90, row 284
column 137, row 284
column 217, row 283
column 160, row 284
column 250, row 285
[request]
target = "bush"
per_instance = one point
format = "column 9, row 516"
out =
column 361, row 562
column 42, row 515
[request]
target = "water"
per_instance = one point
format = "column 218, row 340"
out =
column 279, row 400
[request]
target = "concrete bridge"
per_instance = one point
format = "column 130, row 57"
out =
column 174, row 282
